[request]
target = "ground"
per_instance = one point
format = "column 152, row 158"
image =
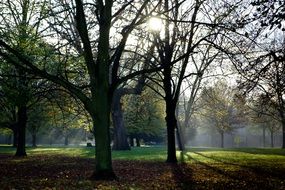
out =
column 144, row 168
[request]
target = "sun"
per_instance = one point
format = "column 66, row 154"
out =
column 155, row 24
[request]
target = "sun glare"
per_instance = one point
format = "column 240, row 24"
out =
column 155, row 24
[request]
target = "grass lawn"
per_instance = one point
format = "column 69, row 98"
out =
column 144, row 168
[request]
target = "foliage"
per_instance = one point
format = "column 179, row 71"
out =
column 264, row 114
column 144, row 116
column 221, row 108
column 66, row 116
column 83, row 30
column 270, row 13
column 262, row 76
column 5, row 131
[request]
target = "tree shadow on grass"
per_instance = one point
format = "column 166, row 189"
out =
column 208, row 166
column 217, row 176
column 257, row 169
column 182, row 174
column 262, row 151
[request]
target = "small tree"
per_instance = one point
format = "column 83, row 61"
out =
column 220, row 110
column 265, row 115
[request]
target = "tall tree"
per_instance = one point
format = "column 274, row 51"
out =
column 19, row 28
column 185, row 29
column 100, row 65
column 191, row 88
column 264, row 74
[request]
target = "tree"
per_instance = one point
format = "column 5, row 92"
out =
column 8, row 110
column 127, row 88
column 100, row 65
column 184, row 32
column 265, row 115
column 67, row 115
column 201, row 62
column 17, row 31
column 8, row 134
column 36, row 120
column 144, row 116
column 264, row 74
column 259, row 57
column 220, row 109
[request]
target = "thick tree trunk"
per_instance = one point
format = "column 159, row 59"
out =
column 22, row 121
column 120, row 137
column 222, row 139
column 34, row 140
column 171, row 124
column 99, row 106
column 101, row 123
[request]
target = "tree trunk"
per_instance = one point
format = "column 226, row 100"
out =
column 222, row 139
column 34, row 140
column 9, row 139
column 120, row 137
column 50, row 141
column 211, row 143
column 99, row 106
column 131, row 141
column 101, row 123
column 283, row 131
column 171, row 124
column 22, row 121
column 272, row 138
column 138, row 142
column 66, row 140
column 263, row 136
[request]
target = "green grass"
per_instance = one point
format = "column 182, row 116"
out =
column 236, row 159
column 205, row 168
column 206, row 155
column 144, row 153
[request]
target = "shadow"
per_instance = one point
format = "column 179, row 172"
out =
column 260, row 151
column 182, row 175
column 258, row 169
column 213, row 176
column 208, row 166
column 249, row 150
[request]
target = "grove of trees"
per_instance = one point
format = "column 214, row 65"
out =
column 103, row 67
